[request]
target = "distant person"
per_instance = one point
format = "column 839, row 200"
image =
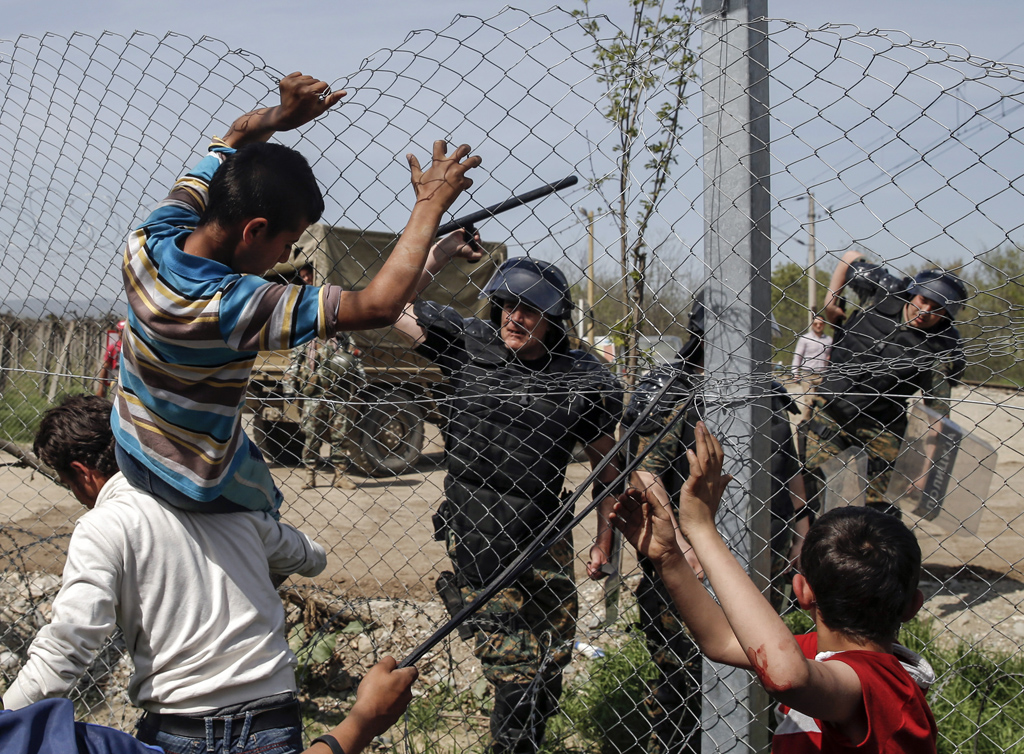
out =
column 811, row 355
column 200, row 310
column 192, row 593
column 111, row 364
column 847, row 686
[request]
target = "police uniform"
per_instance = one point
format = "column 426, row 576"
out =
column 327, row 375
column 877, row 364
column 784, row 464
column 510, row 432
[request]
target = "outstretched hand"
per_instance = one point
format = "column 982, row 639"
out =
column 303, row 98
column 646, row 524
column 445, row 179
column 703, row 489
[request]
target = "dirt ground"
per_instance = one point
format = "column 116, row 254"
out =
column 380, row 536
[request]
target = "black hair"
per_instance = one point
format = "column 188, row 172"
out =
column 77, row 430
column 264, row 180
column 864, row 566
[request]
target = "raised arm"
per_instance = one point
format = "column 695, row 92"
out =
column 825, row 690
column 646, row 522
column 453, row 246
column 302, row 100
column 383, row 301
column 833, row 311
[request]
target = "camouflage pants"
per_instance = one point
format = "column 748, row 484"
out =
column 778, row 582
column 325, row 421
column 674, row 702
column 827, row 439
column 524, row 637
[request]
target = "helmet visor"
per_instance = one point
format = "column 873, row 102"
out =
column 524, row 280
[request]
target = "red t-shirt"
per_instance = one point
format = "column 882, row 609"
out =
column 899, row 719
column 112, row 358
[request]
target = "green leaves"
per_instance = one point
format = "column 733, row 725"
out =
column 645, row 70
column 312, row 650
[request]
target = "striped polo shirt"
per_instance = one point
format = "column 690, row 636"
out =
column 194, row 331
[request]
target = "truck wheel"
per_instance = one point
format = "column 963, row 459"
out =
column 280, row 441
column 391, row 432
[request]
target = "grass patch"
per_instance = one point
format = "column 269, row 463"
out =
column 23, row 404
column 445, row 721
column 978, row 699
column 604, row 711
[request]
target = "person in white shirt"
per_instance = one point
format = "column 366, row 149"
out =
column 192, row 593
column 813, row 349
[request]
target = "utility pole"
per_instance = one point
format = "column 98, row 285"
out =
column 812, row 263
column 590, row 274
column 737, row 300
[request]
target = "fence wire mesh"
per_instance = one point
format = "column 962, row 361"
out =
column 905, row 152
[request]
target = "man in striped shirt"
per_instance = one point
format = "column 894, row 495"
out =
column 200, row 313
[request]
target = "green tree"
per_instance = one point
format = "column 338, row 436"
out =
column 789, row 306
column 645, row 71
column 992, row 322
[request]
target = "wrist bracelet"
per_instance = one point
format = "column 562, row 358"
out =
column 331, row 742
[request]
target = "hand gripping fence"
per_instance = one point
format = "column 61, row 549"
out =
column 553, row 532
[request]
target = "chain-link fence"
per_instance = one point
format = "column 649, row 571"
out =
column 743, row 159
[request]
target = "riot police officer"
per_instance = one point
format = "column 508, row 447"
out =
column 900, row 341
column 521, row 400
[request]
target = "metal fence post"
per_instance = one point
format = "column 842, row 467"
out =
column 737, row 247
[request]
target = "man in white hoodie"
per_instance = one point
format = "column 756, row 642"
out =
column 192, row 593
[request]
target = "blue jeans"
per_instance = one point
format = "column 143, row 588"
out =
column 144, row 480
column 273, row 741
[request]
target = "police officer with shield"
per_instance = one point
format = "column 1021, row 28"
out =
column 521, row 400
column 900, row 341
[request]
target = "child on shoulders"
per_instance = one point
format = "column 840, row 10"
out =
column 200, row 312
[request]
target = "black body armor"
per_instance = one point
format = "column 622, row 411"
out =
column 879, row 363
column 510, row 433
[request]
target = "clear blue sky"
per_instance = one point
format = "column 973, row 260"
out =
column 330, row 39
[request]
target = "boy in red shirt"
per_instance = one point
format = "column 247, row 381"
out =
column 846, row 687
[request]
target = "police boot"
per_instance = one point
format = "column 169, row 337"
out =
column 310, row 482
column 342, row 481
column 517, row 725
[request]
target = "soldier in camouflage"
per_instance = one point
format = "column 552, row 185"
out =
column 327, row 375
column 900, row 341
column 673, row 704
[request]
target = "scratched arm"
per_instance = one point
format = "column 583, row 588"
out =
column 829, row 691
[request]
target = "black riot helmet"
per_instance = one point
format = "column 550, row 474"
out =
column 942, row 287
column 538, row 284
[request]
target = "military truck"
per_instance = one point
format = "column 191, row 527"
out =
column 401, row 390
